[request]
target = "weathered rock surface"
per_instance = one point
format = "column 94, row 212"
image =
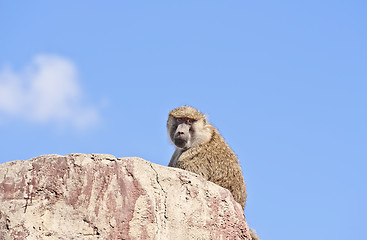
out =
column 96, row 196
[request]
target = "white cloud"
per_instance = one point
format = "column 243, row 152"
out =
column 47, row 90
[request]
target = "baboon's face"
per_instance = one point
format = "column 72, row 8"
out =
column 181, row 132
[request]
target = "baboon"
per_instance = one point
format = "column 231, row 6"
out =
column 202, row 150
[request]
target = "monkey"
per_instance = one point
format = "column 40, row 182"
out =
column 201, row 149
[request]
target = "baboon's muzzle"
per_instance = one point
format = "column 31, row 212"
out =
column 182, row 135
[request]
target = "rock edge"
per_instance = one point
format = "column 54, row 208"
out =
column 99, row 196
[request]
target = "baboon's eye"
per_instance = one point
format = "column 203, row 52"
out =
column 189, row 121
column 179, row 120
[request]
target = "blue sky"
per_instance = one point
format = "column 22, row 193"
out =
column 284, row 82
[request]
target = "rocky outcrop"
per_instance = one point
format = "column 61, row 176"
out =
column 96, row 196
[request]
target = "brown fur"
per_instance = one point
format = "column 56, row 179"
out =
column 209, row 157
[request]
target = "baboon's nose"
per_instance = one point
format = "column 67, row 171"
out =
column 181, row 133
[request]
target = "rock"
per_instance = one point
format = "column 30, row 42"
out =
column 97, row 196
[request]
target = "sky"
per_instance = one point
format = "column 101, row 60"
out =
column 285, row 82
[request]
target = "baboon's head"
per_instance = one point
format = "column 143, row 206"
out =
column 188, row 127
